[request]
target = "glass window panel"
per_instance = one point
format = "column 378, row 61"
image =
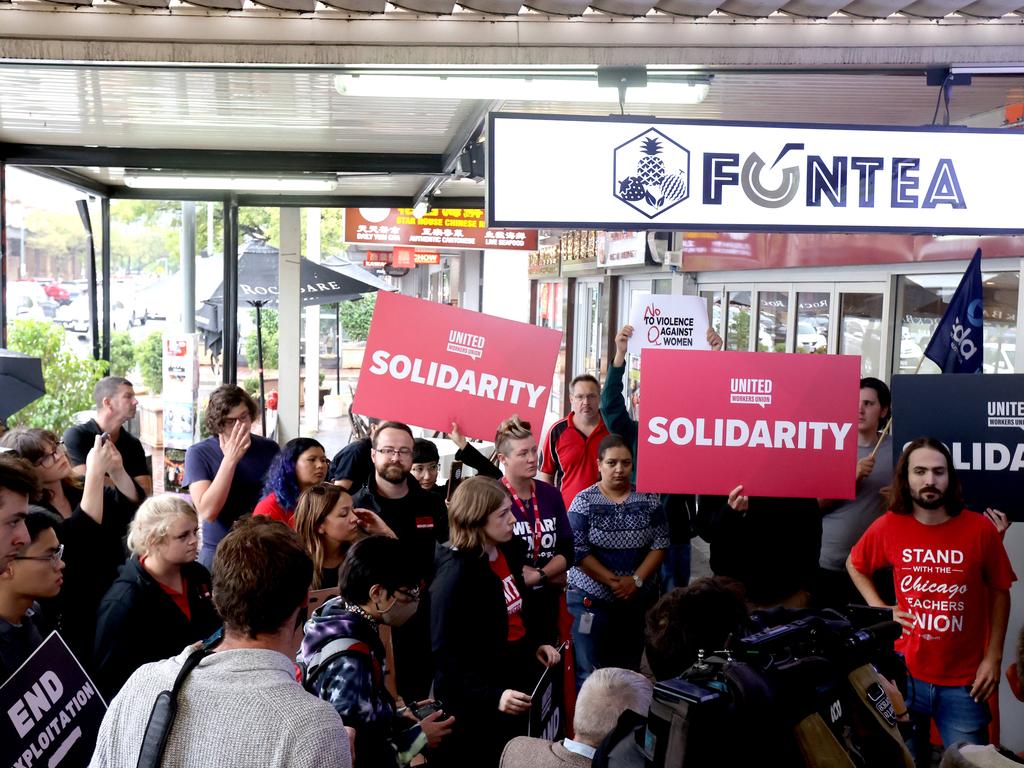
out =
column 860, row 321
column 588, row 305
column 737, row 335
column 812, row 309
column 772, row 320
column 924, row 299
column 551, row 314
column 714, row 299
column 662, row 286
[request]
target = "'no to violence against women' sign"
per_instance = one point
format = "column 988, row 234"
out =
column 431, row 364
column 780, row 425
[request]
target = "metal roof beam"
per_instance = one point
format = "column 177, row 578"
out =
column 283, row 200
column 76, row 180
column 221, row 160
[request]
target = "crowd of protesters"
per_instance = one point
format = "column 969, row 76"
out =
column 442, row 605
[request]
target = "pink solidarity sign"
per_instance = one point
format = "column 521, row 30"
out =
column 780, row 425
column 431, row 364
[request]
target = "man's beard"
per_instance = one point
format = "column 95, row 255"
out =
column 394, row 474
column 937, row 503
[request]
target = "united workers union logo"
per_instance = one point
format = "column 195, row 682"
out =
column 652, row 173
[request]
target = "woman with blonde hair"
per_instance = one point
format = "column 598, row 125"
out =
column 490, row 648
column 328, row 525
column 161, row 601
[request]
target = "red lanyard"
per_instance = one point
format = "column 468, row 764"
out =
column 537, row 526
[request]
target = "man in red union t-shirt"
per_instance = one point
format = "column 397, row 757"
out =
column 952, row 579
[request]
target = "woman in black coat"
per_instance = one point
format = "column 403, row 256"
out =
column 490, row 649
column 161, row 602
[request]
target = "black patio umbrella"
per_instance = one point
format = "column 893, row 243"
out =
column 258, row 286
column 21, row 381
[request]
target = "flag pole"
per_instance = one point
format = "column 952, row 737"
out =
column 888, row 426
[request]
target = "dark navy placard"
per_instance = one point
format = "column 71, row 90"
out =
column 50, row 711
column 981, row 419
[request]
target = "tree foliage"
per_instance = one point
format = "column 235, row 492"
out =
column 150, row 356
column 356, row 316
column 122, row 354
column 270, row 336
column 69, row 379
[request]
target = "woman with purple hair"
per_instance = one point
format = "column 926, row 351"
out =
column 301, row 464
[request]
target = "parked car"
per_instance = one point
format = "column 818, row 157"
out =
column 809, row 338
column 75, row 316
column 27, row 300
column 57, row 292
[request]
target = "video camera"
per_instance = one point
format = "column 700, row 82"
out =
column 803, row 690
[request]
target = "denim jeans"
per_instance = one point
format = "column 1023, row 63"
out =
column 616, row 636
column 958, row 717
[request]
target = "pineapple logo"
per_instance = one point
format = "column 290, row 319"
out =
column 652, row 173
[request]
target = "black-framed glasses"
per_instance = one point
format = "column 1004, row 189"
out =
column 410, row 595
column 229, row 423
column 390, row 453
column 49, row 459
column 55, row 558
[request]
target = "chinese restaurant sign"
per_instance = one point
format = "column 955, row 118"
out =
column 441, row 227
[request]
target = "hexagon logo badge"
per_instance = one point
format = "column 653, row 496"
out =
column 652, row 173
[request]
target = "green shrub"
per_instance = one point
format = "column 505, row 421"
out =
column 150, row 355
column 69, row 379
column 252, row 385
column 356, row 316
column 269, row 323
column 122, row 355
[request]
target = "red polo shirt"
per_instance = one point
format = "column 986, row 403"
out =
column 571, row 457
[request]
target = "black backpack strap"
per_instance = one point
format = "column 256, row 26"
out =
column 161, row 718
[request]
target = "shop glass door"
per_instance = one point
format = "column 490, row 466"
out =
column 589, row 324
column 861, row 321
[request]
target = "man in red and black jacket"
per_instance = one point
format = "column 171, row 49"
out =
column 569, row 453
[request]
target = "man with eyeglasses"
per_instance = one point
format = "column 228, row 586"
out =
column 569, row 453
column 115, row 404
column 224, row 474
column 36, row 573
column 420, row 521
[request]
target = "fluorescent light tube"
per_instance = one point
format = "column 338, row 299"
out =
column 228, row 183
column 516, row 89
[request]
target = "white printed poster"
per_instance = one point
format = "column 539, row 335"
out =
column 669, row 322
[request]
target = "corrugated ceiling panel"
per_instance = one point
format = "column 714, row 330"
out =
column 815, row 9
column 145, row 3
column 298, row 6
column 623, row 7
column 756, row 9
column 439, row 7
column 933, row 9
column 497, row 7
column 558, row 7
column 875, row 9
column 991, row 9
column 359, row 6
column 226, row 5
column 694, row 8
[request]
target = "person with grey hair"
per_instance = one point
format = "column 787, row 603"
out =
column 605, row 695
column 161, row 600
column 115, row 404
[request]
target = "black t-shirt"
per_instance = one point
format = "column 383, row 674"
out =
column 81, row 438
column 353, row 462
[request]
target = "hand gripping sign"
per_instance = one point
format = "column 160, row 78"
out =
column 430, row 364
column 780, row 425
column 669, row 322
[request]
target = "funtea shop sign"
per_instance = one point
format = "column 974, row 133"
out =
column 646, row 173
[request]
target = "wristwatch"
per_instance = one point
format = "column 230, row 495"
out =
column 638, row 581
column 542, row 576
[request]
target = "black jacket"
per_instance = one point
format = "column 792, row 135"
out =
column 138, row 622
column 772, row 548
column 469, row 629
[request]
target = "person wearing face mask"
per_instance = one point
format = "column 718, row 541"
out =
column 344, row 659
column 541, row 519
column 490, row 647
column 161, row 601
column 620, row 537
column 328, row 525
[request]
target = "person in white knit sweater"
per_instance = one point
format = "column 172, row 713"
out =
column 241, row 706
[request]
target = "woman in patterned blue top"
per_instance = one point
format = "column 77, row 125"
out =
column 620, row 537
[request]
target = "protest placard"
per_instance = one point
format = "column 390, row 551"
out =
column 430, row 364
column 982, row 424
column 780, row 425
column 669, row 322
column 547, row 718
column 51, row 711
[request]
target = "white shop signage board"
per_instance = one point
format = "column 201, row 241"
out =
column 635, row 173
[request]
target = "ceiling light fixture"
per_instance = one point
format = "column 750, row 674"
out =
column 564, row 88
column 421, row 209
column 138, row 180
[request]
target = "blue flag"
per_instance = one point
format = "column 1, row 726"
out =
column 957, row 344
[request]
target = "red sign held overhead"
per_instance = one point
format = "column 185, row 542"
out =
column 439, row 228
column 777, row 424
column 431, row 364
